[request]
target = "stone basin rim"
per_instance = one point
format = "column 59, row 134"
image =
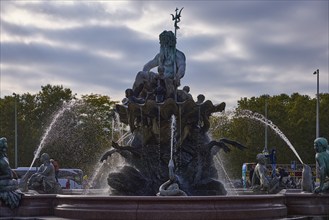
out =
column 239, row 197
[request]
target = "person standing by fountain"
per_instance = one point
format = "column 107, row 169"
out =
column 85, row 182
column 273, row 160
column 251, row 173
column 67, row 184
column 322, row 158
column 56, row 166
column 9, row 192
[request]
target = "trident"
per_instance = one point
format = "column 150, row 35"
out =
column 176, row 18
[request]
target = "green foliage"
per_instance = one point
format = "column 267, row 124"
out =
column 82, row 133
column 294, row 116
column 77, row 138
column 7, row 122
column 85, row 128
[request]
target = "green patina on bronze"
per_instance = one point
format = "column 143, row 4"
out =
column 9, row 192
column 322, row 158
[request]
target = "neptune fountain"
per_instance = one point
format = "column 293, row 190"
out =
column 167, row 125
column 169, row 170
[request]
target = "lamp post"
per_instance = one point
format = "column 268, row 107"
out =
column 16, row 161
column 317, row 120
column 317, row 103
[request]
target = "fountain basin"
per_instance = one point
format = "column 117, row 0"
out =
column 31, row 205
column 307, row 204
column 291, row 203
column 142, row 207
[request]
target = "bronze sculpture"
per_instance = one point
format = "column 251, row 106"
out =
column 44, row 181
column 322, row 158
column 9, row 192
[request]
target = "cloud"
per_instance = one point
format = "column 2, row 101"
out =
column 234, row 49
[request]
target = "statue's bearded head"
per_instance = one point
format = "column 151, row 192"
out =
column 167, row 49
column 167, row 39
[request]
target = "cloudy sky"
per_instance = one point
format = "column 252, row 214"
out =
column 233, row 49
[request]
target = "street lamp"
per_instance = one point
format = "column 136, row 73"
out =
column 317, row 103
column 16, row 162
column 317, row 119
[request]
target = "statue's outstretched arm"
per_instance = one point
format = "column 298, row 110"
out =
column 219, row 144
column 107, row 154
column 151, row 64
column 120, row 149
column 233, row 143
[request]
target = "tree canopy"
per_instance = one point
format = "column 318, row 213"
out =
column 73, row 131
column 79, row 130
column 294, row 116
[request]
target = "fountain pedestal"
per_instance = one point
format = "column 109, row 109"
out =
column 290, row 203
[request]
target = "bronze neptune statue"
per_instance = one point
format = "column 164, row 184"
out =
column 149, row 105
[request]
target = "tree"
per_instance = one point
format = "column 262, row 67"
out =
column 73, row 131
column 7, row 123
column 82, row 133
column 293, row 115
column 324, row 116
column 28, row 130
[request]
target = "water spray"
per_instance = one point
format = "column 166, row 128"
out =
column 261, row 118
